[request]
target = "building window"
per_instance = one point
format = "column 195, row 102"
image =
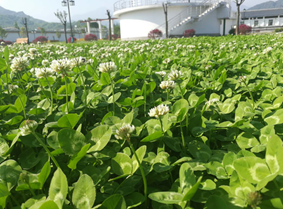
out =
column 256, row 23
column 242, row 22
column 270, row 22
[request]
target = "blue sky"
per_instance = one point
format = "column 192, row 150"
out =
column 44, row 9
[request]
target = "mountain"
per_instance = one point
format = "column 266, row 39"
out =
column 268, row 5
column 8, row 19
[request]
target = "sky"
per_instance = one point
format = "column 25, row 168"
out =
column 44, row 9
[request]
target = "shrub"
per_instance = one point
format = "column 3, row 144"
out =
column 189, row 33
column 279, row 30
column 41, row 39
column 1, row 40
column 244, row 29
column 155, row 34
column 113, row 37
column 8, row 42
column 90, row 37
column 69, row 39
column 232, row 31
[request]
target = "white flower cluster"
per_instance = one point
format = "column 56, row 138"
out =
column 167, row 85
column 62, row 65
column 242, row 78
column 174, row 75
column 13, row 87
column 42, row 72
column 268, row 49
column 166, row 61
column 107, row 67
column 33, row 51
column 28, row 127
column 124, row 132
column 158, row 111
column 45, row 63
column 19, row 64
column 161, row 73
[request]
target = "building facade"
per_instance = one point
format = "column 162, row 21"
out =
column 263, row 19
column 206, row 17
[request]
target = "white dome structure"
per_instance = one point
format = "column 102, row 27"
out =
column 206, row 17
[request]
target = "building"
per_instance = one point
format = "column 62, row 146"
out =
column 263, row 20
column 206, row 17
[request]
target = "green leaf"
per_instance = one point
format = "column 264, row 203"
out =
column 6, row 54
column 275, row 118
column 58, row 189
column 121, row 164
column 166, row 197
column 153, row 137
column 180, row 109
column 71, row 141
column 84, row 193
column 105, row 79
column 49, row 205
column 44, row 173
column 77, row 157
column 21, row 102
column 191, row 192
column 115, row 201
column 186, row 177
column 140, row 152
column 68, row 121
column 134, row 200
column 101, row 136
column 246, row 140
column 253, row 169
column 116, row 97
column 274, row 154
column 10, row 173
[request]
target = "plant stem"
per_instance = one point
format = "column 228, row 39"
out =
column 144, row 107
column 22, row 106
column 141, row 169
column 8, row 84
column 66, row 83
column 250, row 95
column 182, row 135
column 51, row 94
column 180, row 90
column 15, row 200
column 83, row 83
column 112, row 86
column 46, row 149
column 167, row 94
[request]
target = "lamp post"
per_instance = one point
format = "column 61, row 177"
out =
column 69, row 3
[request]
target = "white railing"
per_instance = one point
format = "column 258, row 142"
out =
column 124, row 4
column 191, row 13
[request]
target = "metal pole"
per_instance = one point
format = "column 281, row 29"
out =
column 72, row 40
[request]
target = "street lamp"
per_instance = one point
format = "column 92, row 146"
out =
column 69, row 3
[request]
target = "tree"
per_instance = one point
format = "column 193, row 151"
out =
column 58, row 34
column 43, row 31
column 3, row 33
column 109, row 18
column 17, row 27
column 25, row 23
column 238, row 4
column 23, row 32
column 165, row 8
column 62, row 16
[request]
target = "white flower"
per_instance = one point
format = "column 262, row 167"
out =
column 43, row 72
column 2, row 43
column 62, row 65
column 107, row 67
column 13, row 87
column 19, row 64
column 242, row 78
column 162, row 73
column 167, row 85
column 45, row 63
column 212, row 101
column 268, row 49
column 33, row 51
column 158, row 111
column 125, row 132
column 174, row 75
column 166, row 61
column 28, row 127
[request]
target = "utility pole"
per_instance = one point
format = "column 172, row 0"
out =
column 165, row 8
column 109, row 18
column 25, row 23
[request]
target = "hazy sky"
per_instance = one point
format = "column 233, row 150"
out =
column 44, row 9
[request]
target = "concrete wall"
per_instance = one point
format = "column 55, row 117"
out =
column 264, row 22
column 137, row 22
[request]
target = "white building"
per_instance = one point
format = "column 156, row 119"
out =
column 263, row 19
column 206, row 17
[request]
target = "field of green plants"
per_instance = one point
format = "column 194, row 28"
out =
column 160, row 124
